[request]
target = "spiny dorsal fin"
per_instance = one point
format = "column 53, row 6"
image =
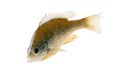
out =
column 48, row 17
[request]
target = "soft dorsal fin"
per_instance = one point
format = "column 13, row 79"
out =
column 48, row 17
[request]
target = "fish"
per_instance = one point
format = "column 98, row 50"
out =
column 55, row 30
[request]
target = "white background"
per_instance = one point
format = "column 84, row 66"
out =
column 91, row 56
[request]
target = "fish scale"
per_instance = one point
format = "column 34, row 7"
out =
column 52, row 34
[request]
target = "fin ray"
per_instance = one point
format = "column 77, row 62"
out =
column 70, row 39
column 92, row 23
column 48, row 17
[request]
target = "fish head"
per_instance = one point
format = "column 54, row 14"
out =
column 37, row 51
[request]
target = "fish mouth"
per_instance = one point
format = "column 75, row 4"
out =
column 36, row 58
column 29, row 59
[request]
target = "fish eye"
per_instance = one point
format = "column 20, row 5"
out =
column 46, row 42
column 36, row 50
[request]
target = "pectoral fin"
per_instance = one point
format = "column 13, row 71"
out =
column 70, row 39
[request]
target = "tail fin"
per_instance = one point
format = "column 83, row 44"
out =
column 92, row 23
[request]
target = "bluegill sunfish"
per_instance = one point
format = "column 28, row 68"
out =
column 54, row 31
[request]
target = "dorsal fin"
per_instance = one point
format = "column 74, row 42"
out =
column 48, row 17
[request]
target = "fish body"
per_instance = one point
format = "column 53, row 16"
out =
column 56, row 31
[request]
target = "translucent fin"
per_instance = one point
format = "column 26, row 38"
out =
column 70, row 39
column 48, row 17
column 92, row 23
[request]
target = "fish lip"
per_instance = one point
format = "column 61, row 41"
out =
column 36, row 58
column 29, row 59
column 32, row 59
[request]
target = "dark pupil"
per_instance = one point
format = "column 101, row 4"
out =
column 36, row 50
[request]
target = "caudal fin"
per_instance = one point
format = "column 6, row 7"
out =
column 93, row 23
